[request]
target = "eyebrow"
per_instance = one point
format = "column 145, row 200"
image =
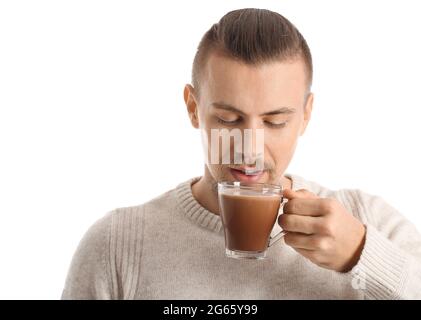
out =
column 228, row 107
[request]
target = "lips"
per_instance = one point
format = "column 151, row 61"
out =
column 248, row 170
column 247, row 174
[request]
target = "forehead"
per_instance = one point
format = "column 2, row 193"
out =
column 252, row 86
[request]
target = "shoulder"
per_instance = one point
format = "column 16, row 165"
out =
column 88, row 274
column 123, row 218
column 95, row 238
column 107, row 258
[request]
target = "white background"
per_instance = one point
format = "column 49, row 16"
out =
column 92, row 114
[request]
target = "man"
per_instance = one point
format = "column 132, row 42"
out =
column 252, row 70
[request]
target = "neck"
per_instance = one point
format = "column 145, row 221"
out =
column 206, row 193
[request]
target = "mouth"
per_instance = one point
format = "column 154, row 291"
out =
column 247, row 174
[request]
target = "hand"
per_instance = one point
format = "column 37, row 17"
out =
column 322, row 230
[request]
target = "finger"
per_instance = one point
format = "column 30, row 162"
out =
column 301, row 241
column 301, row 194
column 304, row 207
column 297, row 223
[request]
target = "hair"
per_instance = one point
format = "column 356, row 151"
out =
column 253, row 36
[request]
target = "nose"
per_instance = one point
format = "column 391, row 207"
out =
column 253, row 146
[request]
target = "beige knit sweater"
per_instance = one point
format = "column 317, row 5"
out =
column 173, row 248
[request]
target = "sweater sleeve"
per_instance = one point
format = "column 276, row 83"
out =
column 88, row 275
column 390, row 263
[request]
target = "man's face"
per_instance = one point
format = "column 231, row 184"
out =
column 271, row 96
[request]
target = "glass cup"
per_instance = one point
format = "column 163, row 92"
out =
column 249, row 212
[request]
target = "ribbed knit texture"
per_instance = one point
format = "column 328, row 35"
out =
column 189, row 206
column 173, row 248
column 381, row 267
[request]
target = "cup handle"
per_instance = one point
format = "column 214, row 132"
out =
column 280, row 234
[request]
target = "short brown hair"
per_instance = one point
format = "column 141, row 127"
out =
column 253, row 36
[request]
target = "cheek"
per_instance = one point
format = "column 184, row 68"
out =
column 282, row 152
column 219, row 172
column 282, row 139
column 282, row 146
column 206, row 118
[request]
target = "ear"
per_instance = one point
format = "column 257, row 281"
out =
column 191, row 104
column 307, row 112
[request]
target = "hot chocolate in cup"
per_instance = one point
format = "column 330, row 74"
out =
column 249, row 212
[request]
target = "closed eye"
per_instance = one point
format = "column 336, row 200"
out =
column 276, row 125
column 237, row 121
column 231, row 122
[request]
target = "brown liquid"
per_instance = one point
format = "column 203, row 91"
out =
column 248, row 220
